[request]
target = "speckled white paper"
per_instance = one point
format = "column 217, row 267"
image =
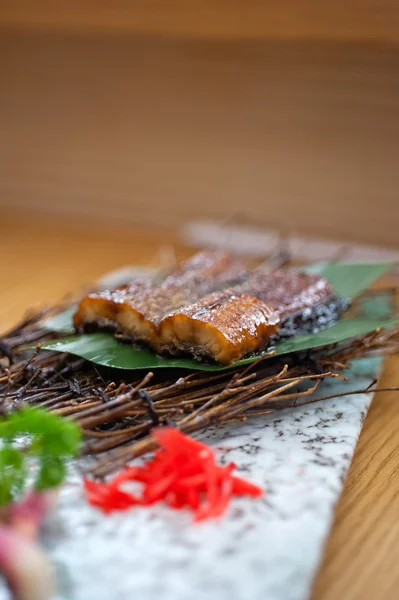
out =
column 265, row 549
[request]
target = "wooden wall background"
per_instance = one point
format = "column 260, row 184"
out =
column 349, row 20
column 286, row 116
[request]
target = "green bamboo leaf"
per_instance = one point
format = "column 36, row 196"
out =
column 347, row 280
column 341, row 331
column 104, row 349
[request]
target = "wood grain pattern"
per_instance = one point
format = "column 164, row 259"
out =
column 42, row 259
column 299, row 136
column 362, row 553
column 365, row 20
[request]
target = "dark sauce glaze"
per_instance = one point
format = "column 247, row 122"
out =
column 313, row 318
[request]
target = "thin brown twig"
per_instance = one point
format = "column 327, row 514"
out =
column 117, row 412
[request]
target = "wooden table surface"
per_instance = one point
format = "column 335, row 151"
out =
column 42, row 260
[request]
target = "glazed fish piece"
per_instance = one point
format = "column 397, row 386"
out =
column 136, row 309
column 223, row 326
column 286, row 291
column 304, row 302
column 227, row 326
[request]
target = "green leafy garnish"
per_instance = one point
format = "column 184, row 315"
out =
column 12, row 474
column 31, row 432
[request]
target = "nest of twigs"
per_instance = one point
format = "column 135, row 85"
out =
column 116, row 410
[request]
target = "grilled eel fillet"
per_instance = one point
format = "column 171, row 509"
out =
column 227, row 325
column 305, row 303
column 179, row 316
column 224, row 326
column 137, row 309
